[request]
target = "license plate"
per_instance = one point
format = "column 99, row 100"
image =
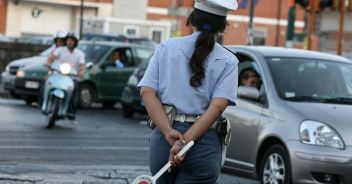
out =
column 31, row 84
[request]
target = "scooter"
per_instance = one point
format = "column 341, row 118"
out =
column 58, row 91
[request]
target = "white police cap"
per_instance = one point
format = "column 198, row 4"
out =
column 217, row 7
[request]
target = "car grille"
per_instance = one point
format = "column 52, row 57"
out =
column 13, row 70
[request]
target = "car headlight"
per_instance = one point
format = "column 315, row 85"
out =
column 132, row 81
column 7, row 68
column 20, row 73
column 65, row 68
column 316, row 133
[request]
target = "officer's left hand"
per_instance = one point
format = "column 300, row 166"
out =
column 173, row 158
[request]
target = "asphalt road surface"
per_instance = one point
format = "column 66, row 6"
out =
column 102, row 148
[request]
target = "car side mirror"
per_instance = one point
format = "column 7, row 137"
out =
column 89, row 65
column 248, row 92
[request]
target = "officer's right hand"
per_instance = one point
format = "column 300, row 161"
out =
column 173, row 135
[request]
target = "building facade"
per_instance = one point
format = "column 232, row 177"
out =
column 45, row 17
column 3, row 16
column 266, row 21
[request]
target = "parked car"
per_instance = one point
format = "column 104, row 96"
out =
column 36, row 40
column 296, row 128
column 7, row 39
column 140, row 41
column 117, row 38
column 104, row 37
column 101, row 82
column 9, row 75
column 131, row 101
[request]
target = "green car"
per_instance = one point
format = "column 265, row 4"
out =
column 103, row 81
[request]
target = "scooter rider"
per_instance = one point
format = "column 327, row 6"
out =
column 59, row 40
column 75, row 57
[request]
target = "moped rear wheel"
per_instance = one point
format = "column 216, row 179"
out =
column 54, row 110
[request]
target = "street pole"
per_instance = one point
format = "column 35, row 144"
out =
column 277, row 40
column 81, row 20
column 341, row 28
column 311, row 23
column 291, row 26
column 250, row 25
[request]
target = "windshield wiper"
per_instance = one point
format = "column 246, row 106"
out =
column 340, row 100
column 305, row 99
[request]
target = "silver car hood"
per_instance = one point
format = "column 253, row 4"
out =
column 337, row 116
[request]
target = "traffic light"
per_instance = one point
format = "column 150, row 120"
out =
column 320, row 4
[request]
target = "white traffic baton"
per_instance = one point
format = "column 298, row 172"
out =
column 146, row 179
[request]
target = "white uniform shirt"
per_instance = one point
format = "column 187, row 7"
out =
column 64, row 55
column 169, row 74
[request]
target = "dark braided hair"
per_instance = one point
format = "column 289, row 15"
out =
column 209, row 25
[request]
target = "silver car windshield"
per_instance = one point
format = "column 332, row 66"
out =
column 310, row 80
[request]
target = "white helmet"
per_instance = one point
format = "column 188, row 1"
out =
column 60, row 34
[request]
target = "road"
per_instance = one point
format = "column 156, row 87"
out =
column 102, row 148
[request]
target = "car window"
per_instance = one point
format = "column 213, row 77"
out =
column 129, row 58
column 144, row 53
column 249, row 74
column 301, row 79
column 93, row 52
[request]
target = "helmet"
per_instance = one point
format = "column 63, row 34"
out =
column 60, row 34
column 73, row 36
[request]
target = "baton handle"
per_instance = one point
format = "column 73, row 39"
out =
column 168, row 164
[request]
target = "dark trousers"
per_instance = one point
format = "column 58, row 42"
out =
column 202, row 163
column 74, row 101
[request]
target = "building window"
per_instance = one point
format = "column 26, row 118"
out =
column 259, row 36
column 131, row 30
column 156, row 34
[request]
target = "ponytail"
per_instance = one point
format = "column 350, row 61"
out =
column 204, row 45
column 209, row 25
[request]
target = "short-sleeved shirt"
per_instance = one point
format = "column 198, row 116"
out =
column 64, row 55
column 169, row 75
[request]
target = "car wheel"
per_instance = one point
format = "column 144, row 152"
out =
column 86, row 95
column 109, row 105
column 275, row 168
column 127, row 112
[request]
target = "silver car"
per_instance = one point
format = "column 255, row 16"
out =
column 296, row 127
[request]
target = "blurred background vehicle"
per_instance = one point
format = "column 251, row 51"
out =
column 103, row 37
column 6, row 39
column 117, row 38
column 36, row 40
column 296, row 127
column 131, row 100
column 9, row 75
column 102, row 82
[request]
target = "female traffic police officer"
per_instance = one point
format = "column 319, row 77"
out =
column 199, row 77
